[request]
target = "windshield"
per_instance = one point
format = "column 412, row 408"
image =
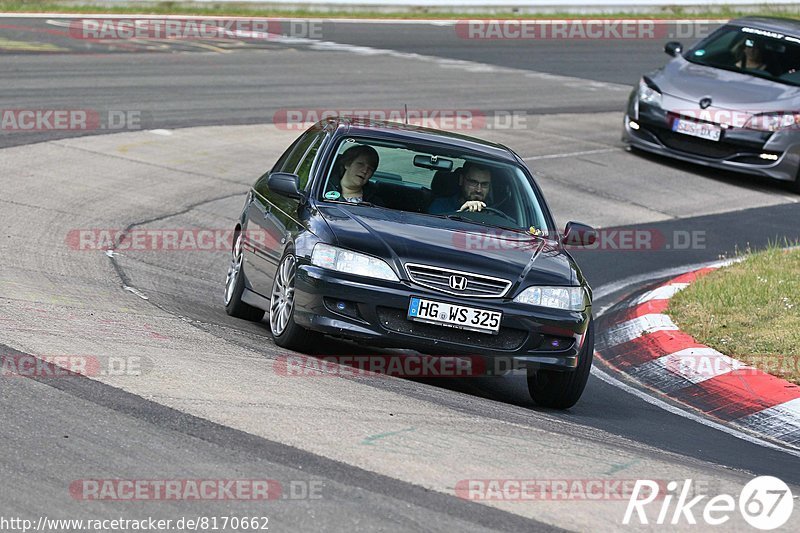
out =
column 433, row 181
column 753, row 51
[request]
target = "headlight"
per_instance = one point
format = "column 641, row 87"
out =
column 341, row 260
column 567, row 298
column 773, row 121
column 648, row 94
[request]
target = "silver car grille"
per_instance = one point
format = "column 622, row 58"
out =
column 457, row 282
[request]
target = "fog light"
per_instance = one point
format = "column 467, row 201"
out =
column 633, row 125
column 556, row 344
column 769, row 157
column 342, row 307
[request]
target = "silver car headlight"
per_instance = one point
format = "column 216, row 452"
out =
column 567, row 298
column 341, row 260
column 774, row 121
column 648, row 94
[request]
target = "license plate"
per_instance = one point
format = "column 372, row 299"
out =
column 454, row 316
column 697, row 129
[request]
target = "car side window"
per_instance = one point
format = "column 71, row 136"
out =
column 303, row 170
column 261, row 185
column 298, row 150
column 287, row 162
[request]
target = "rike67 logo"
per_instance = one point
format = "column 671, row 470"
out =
column 765, row 503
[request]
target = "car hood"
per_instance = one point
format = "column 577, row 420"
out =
column 728, row 90
column 402, row 237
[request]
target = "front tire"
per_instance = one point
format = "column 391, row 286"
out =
column 285, row 331
column 795, row 185
column 562, row 390
column 234, row 287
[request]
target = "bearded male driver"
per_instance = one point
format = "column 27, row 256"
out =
column 474, row 183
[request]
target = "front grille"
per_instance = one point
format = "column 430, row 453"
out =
column 697, row 146
column 395, row 320
column 475, row 285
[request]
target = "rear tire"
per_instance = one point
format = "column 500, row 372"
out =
column 562, row 390
column 234, row 287
column 286, row 333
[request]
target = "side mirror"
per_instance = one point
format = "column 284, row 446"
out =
column 577, row 234
column 285, row 184
column 673, row 48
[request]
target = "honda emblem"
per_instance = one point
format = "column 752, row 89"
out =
column 458, row 283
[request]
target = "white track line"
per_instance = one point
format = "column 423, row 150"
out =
column 614, row 382
column 664, row 292
column 572, row 154
column 634, row 328
column 136, row 292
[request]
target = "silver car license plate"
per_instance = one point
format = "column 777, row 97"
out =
column 709, row 132
column 454, row 316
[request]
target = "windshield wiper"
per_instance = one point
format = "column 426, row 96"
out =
column 343, row 202
column 465, row 219
column 459, row 218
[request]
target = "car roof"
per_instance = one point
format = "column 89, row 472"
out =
column 782, row 25
column 396, row 131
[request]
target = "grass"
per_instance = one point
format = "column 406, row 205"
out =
column 245, row 10
column 749, row 311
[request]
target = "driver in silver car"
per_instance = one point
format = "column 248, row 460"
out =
column 474, row 183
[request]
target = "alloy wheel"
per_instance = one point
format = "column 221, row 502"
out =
column 282, row 302
column 233, row 269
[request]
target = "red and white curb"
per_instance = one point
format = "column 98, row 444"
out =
column 641, row 341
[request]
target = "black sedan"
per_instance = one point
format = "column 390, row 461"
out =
column 731, row 101
column 399, row 236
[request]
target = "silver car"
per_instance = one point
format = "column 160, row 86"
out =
column 732, row 101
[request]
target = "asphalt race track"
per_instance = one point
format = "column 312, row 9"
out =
column 381, row 453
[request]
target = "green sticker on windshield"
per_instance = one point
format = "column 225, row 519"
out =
column 332, row 195
column 700, row 52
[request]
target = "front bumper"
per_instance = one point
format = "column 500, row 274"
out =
column 739, row 149
column 374, row 314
